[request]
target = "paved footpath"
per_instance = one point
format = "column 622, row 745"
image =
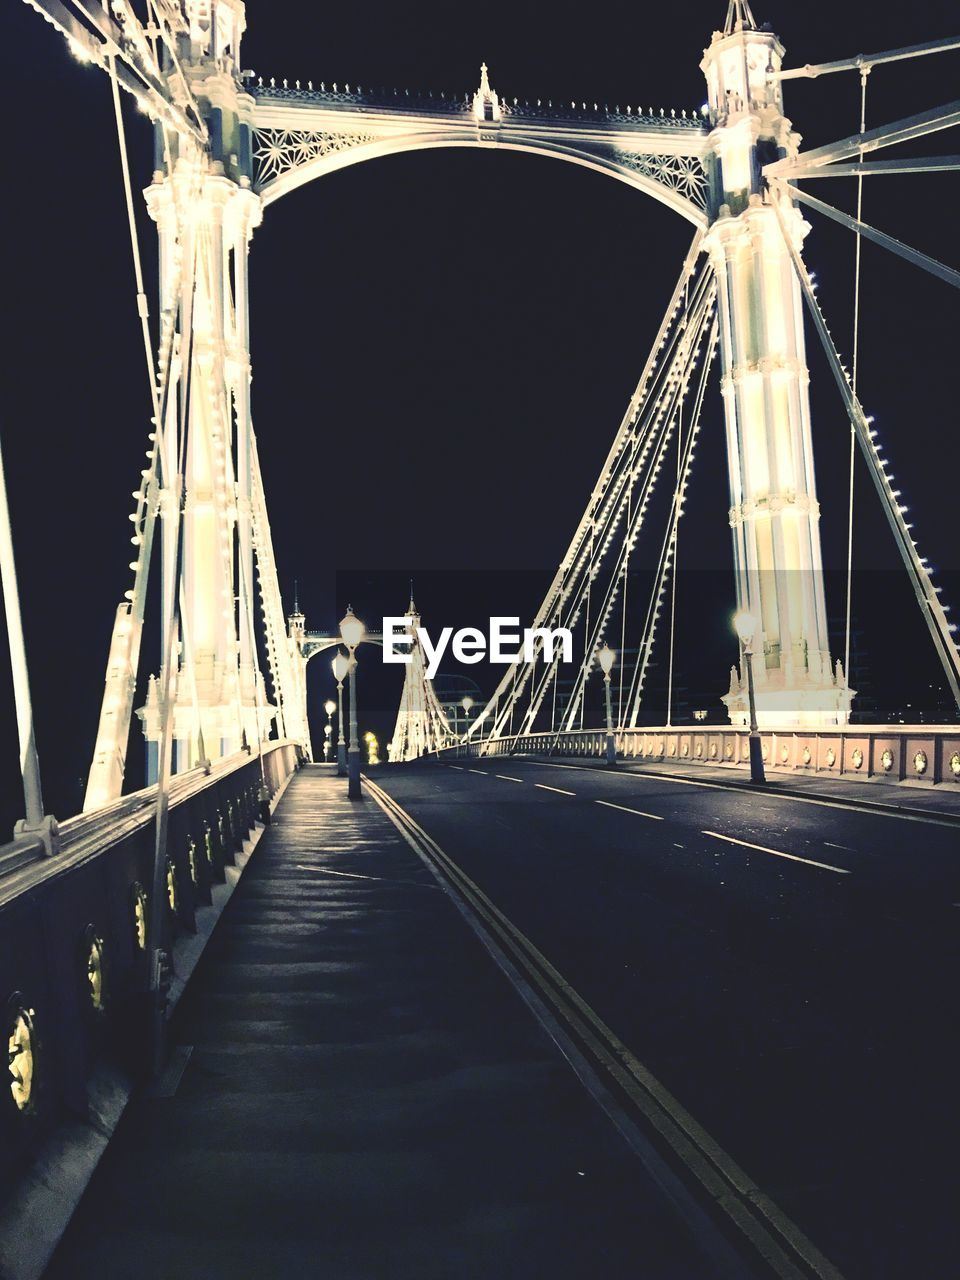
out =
column 366, row 1097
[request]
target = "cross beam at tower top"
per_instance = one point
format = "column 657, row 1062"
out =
column 739, row 17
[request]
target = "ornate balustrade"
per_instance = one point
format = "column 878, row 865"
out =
column 917, row 755
column 73, row 936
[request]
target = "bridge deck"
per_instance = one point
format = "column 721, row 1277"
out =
column 366, row 1096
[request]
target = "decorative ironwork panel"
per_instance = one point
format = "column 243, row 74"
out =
column 279, row 150
column 684, row 174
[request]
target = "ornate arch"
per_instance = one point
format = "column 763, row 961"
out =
column 302, row 134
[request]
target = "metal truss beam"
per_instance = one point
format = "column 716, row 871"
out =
column 857, row 144
column 923, row 164
column 879, row 237
column 100, row 39
column 864, row 61
column 928, row 599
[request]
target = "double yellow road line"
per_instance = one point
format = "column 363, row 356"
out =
column 743, row 1222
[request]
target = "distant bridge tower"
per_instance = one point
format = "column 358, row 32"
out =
column 774, row 513
column 421, row 725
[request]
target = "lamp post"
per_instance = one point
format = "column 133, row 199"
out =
column 467, row 703
column 352, row 632
column 607, row 657
column 340, row 665
column 329, row 707
column 746, row 626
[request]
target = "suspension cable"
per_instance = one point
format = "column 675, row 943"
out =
column 29, row 760
column 864, row 73
column 673, row 579
column 934, row 614
column 670, row 535
column 142, row 308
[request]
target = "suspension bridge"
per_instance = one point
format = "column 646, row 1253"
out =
column 587, row 856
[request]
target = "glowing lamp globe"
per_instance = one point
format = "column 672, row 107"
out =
column 329, row 706
column 606, row 657
column 745, row 625
column 352, row 629
column 340, row 666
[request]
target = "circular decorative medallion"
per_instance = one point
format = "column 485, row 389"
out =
column 172, row 895
column 784, row 753
column 920, row 762
column 21, row 1054
column 139, row 896
column 713, row 751
column 955, row 764
column 857, row 758
column 887, row 760
column 192, row 859
column 673, row 748
column 93, row 963
column 765, row 751
column 685, row 749
column 806, row 755
column 728, row 751
column 699, row 750
column 831, row 757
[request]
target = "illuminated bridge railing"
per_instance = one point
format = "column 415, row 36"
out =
column 922, row 755
column 73, row 937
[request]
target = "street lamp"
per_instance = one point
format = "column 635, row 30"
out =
column 340, row 665
column 352, row 632
column 607, row 657
column 467, row 702
column 746, row 627
column 329, row 707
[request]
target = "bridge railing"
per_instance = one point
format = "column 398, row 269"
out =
column 920, row 755
column 73, row 936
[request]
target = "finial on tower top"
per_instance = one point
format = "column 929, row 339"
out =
column 739, row 17
column 486, row 104
column 412, row 608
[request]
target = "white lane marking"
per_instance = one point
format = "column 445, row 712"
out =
column 560, row 791
column 505, row 777
column 889, row 812
column 846, row 848
column 778, row 853
column 698, row 1150
column 678, row 846
column 482, row 772
column 459, row 767
column 607, row 804
column 353, row 875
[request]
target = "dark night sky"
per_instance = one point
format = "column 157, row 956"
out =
column 443, row 342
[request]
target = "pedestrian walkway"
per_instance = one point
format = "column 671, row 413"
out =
column 366, row 1097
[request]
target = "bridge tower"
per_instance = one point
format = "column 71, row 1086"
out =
column 422, row 726
column 774, row 513
column 205, row 210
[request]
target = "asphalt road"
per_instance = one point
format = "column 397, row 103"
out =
column 788, row 970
